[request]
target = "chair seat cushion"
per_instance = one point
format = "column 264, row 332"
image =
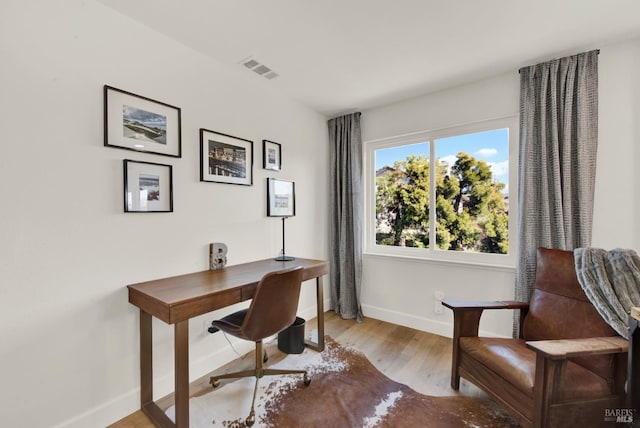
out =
column 514, row 362
column 231, row 323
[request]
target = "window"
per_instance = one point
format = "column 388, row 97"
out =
column 444, row 194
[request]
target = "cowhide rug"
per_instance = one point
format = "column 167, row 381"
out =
column 346, row 391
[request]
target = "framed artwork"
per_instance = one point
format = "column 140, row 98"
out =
column 225, row 158
column 134, row 122
column 281, row 198
column 148, row 187
column 271, row 155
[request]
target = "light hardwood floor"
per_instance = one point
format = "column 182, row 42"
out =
column 415, row 358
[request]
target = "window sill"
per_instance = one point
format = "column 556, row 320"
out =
column 428, row 260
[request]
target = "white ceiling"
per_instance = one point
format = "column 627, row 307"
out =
column 343, row 55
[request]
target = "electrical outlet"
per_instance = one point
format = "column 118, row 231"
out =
column 438, row 308
column 439, row 295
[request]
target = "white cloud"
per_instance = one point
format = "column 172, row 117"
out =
column 487, row 152
column 499, row 168
column 449, row 160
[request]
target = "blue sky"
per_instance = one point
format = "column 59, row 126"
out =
column 490, row 146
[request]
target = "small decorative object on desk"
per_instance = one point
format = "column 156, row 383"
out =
column 217, row 255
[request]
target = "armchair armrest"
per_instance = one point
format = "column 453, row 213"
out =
column 479, row 304
column 551, row 359
column 570, row 348
column 466, row 314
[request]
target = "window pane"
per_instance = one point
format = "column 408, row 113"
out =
column 402, row 196
column 472, row 193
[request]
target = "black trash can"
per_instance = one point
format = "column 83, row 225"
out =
column 291, row 339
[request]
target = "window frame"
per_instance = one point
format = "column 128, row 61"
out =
column 431, row 253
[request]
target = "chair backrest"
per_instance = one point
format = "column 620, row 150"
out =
column 559, row 309
column 274, row 305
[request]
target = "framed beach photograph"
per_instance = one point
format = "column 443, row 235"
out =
column 281, row 198
column 225, row 158
column 148, row 187
column 271, row 155
column 134, row 122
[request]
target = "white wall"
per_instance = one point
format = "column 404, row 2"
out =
column 402, row 291
column 617, row 199
column 69, row 338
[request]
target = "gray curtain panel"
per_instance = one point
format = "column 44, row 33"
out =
column 557, row 164
column 346, row 215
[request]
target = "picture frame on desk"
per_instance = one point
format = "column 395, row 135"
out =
column 271, row 155
column 148, row 187
column 225, row 158
column 135, row 122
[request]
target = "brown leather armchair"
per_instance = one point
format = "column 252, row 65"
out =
column 566, row 367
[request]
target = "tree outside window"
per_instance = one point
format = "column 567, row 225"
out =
column 470, row 188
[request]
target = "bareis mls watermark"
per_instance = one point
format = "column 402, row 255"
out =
column 618, row 415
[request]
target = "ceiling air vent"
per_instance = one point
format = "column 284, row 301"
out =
column 261, row 69
column 258, row 68
column 251, row 63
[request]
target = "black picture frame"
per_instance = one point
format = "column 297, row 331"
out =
column 271, row 155
column 225, row 158
column 142, row 124
column 148, row 187
column 281, row 198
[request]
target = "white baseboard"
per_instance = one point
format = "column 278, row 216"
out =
column 440, row 328
column 107, row 413
column 419, row 323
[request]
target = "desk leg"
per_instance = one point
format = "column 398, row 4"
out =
column 320, row 317
column 181, row 355
column 148, row 406
column 146, row 360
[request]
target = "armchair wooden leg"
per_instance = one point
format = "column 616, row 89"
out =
column 455, row 379
column 547, row 381
column 465, row 323
column 455, row 361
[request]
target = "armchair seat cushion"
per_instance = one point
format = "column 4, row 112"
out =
column 515, row 363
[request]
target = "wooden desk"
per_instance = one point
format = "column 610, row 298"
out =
column 174, row 300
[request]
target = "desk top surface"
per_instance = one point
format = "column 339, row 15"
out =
column 181, row 297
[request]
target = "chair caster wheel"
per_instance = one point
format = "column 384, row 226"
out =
column 215, row 383
column 307, row 380
column 251, row 419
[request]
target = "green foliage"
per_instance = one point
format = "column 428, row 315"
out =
column 470, row 206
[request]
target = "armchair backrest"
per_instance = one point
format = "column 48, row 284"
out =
column 559, row 309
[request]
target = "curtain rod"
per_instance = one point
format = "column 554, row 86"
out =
column 597, row 51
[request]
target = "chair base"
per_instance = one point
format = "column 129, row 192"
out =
column 215, row 380
column 258, row 373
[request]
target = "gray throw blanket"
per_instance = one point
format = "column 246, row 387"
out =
column 611, row 281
